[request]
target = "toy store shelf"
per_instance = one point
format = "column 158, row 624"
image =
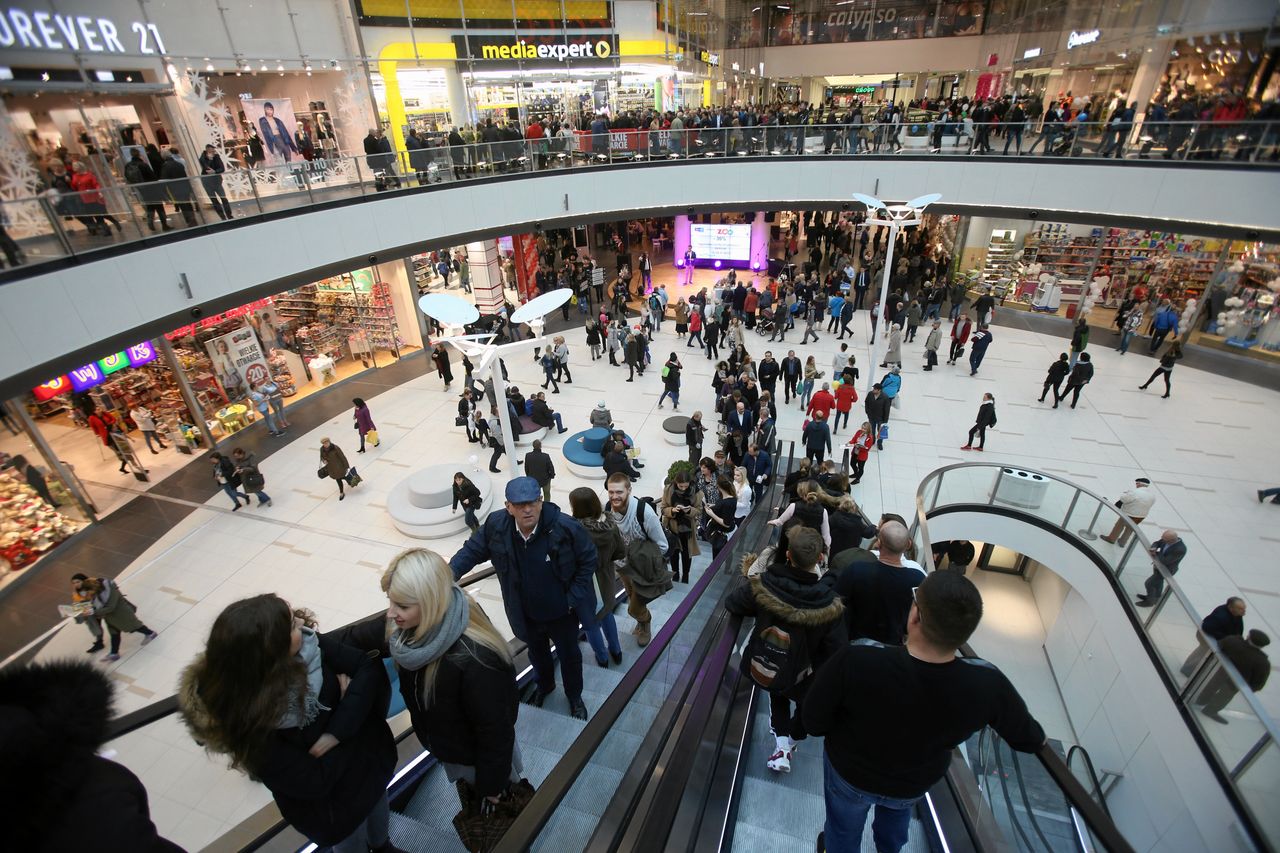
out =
column 1217, row 342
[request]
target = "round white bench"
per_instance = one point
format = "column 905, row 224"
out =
column 420, row 505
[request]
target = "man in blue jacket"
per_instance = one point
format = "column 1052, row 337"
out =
column 1166, row 321
column 759, row 466
column 546, row 564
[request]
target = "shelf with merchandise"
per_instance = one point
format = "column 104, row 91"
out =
column 28, row 525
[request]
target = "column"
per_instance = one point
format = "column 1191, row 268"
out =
column 72, row 482
column 486, row 276
column 184, row 387
column 459, row 104
column 1147, row 78
column 395, row 102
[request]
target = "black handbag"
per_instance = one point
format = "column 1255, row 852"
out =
column 459, row 421
column 480, row 828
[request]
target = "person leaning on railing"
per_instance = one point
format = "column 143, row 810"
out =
column 887, row 753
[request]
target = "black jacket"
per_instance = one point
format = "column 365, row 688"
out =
column 782, row 595
column 1222, row 623
column 848, row 529
column 878, row 599
column 617, row 462
column 1057, row 372
column 1080, row 374
column 542, row 415
column 59, row 793
column 768, row 371
column 326, row 798
column 987, row 414
column 467, row 494
column 472, row 716
column 877, row 407
column 538, row 465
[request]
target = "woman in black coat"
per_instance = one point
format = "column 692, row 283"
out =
column 1057, row 372
column 986, row 418
column 303, row 714
column 457, row 677
column 466, row 494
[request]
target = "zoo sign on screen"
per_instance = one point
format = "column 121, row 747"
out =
column 721, row 242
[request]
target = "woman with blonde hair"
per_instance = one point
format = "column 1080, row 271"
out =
column 742, row 486
column 806, row 510
column 301, row 713
column 456, row 674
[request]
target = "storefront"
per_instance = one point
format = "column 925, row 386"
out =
column 194, row 382
column 1219, row 64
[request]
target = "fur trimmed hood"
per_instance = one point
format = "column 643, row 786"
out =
column 796, row 598
column 53, row 719
column 195, row 714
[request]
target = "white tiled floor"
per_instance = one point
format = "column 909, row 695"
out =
column 1206, row 449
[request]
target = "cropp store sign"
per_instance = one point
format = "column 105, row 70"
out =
column 537, row 50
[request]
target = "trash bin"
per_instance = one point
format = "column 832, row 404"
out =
column 1020, row 488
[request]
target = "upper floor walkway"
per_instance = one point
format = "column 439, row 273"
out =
column 74, row 294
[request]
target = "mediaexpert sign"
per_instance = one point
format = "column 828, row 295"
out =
column 537, row 50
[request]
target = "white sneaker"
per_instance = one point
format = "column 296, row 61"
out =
column 780, row 761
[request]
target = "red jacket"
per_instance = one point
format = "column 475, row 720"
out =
column 861, row 443
column 960, row 330
column 88, row 187
column 752, row 301
column 695, row 319
column 101, row 423
column 821, row 402
column 846, row 396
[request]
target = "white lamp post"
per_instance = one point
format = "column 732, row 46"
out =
column 451, row 310
column 897, row 217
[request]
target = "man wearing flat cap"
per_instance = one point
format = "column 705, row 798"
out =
column 545, row 563
column 1136, row 504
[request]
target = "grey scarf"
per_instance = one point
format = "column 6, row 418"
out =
column 414, row 656
column 301, row 714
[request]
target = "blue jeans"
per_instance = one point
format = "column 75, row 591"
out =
column 673, row 393
column 1125, row 337
column 269, row 418
column 847, row 809
column 1075, row 356
column 603, row 637
column 470, row 515
column 233, row 494
column 806, row 390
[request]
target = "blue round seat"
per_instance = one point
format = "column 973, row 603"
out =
column 582, row 452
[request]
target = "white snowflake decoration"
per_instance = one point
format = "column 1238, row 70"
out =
column 1188, row 313
column 19, row 179
column 352, row 117
column 1096, row 287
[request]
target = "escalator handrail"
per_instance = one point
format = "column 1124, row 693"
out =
column 1097, row 819
column 526, row 828
column 1101, row 799
column 156, row 711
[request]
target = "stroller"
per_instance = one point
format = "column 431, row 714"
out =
column 765, row 323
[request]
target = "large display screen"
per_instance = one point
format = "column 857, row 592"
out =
column 721, row 242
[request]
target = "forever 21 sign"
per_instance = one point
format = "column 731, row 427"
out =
column 50, row 31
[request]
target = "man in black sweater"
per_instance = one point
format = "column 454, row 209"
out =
column 877, row 593
column 538, row 465
column 888, row 752
column 1247, row 656
column 1226, row 620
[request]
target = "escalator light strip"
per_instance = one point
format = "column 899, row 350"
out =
column 937, row 824
column 403, row 771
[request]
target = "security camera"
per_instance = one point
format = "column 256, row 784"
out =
column 844, row 206
column 689, row 211
column 1251, row 235
column 197, row 312
column 1033, row 214
column 373, row 259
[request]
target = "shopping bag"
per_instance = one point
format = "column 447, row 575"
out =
column 353, row 478
column 323, row 472
column 371, row 437
column 897, row 401
column 481, row 832
column 884, row 432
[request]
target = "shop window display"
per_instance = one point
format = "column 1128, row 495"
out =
column 29, row 524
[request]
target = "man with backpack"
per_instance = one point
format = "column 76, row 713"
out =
column 798, row 626
column 644, row 571
column 878, row 706
column 656, row 310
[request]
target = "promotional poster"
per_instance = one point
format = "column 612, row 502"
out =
column 274, row 122
column 238, row 362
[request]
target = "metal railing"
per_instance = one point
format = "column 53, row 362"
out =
column 1246, row 754
column 55, row 225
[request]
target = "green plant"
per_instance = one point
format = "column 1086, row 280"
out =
column 680, row 466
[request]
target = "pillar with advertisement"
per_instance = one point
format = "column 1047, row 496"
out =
column 526, row 260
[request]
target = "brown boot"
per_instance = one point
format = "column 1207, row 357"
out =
column 642, row 634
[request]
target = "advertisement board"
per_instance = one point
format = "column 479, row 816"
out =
column 274, row 122
column 721, row 242
column 238, row 362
